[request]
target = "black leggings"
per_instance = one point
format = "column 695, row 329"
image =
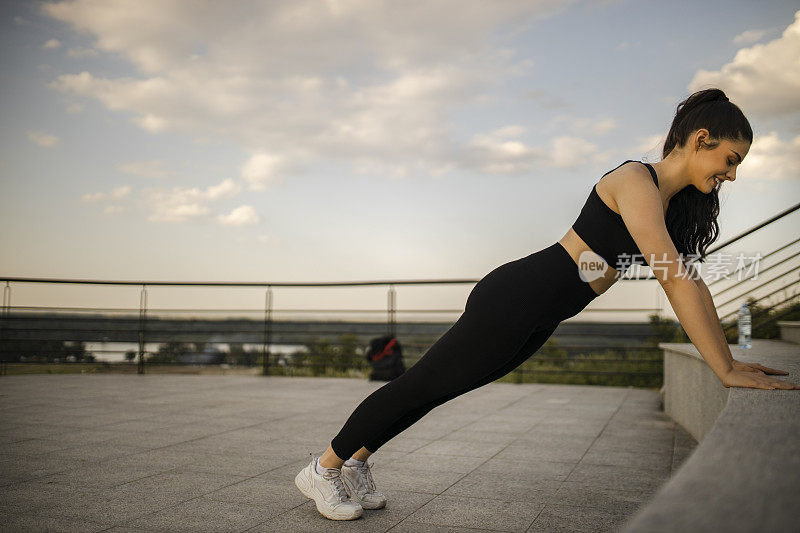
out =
column 509, row 314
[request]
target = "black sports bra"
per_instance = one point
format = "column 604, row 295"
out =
column 604, row 231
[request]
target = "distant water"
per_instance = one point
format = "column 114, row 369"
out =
column 118, row 349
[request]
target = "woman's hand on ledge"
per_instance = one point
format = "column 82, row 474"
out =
column 756, row 367
column 754, row 380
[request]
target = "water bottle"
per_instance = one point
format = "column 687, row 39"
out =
column 744, row 327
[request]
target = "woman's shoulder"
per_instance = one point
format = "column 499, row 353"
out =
column 625, row 175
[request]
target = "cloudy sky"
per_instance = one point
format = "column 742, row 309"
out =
column 358, row 139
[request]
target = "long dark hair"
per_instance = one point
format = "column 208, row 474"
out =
column 692, row 214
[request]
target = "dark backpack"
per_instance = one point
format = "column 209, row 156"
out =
column 386, row 356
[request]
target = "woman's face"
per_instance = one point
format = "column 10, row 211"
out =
column 712, row 166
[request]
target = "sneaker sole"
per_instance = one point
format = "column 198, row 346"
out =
column 302, row 482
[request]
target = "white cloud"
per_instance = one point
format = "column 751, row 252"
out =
column 182, row 204
column 52, row 43
column 262, row 169
column 178, row 205
column 749, row 36
column 764, row 80
column 243, row 215
column 494, row 153
column 573, row 152
column 93, row 197
column 19, row 21
column 74, row 107
column 82, row 51
column 151, row 123
column 513, row 130
column 227, row 187
column 772, row 158
column 148, row 169
column 120, row 192
column 42, row 139
column 116, row 194
column 374, row 83
column 650, row 145
column 179, row 212
column 110, row 209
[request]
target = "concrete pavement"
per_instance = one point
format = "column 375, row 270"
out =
column 219, row 453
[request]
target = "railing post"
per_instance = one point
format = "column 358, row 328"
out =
column 267, row 332
column 391, row 310
column 6, row 346
column 659, row 301
column 142, row 322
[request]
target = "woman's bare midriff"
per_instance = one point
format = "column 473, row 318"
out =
column 575, row 246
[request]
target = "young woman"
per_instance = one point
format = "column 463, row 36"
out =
column 637, row 211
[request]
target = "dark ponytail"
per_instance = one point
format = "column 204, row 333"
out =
column 692, row 214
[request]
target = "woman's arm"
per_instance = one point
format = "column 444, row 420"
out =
column 640, row 206
column 686, row 300
column 708, row 300
column 711, row 309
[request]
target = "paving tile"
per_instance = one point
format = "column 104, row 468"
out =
column 434, row 482
column 462, row 447
column 305, row 518
column 501, row 425
column 30, row 522
column 579, row 519
column 409, row 526
column 124, row 529
column 424, row 431
column 32, row 447
column 406, row 444
column 562, row 453
column 84, row 436
column 577, row 493
column 460, row 511
column 568, row 427
column 147, row 439
column 202, row 514
column 220, row 453
column 36, row 466
column 424, row 462
column 504, row 486
column 103, row 475
column 96, row 452
column 660, row 462
column 533, row 469
column 104, row 508
column 471, row 435
column 542, row 439
column 633, row 444
column 33, row 496
column 618, row 477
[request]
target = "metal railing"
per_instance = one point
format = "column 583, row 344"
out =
column 147, row 327
column 614, row 349
column 772, row 298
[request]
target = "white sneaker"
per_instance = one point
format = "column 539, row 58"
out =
column 328, row 491
column 361, row 486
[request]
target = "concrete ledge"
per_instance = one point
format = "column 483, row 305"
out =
column 745, row 473
column 790, row 331
column 693, row 395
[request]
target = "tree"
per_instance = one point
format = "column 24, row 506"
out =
column 168, row 351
